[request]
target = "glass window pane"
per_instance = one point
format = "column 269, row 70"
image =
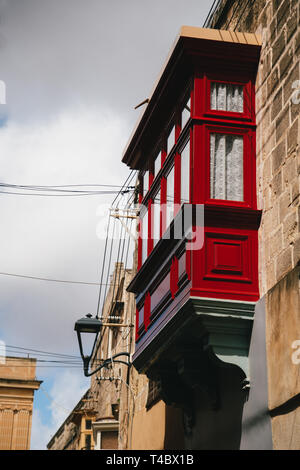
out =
column 145, row 183
column 157, row 164
column 88, row 424
column 141, row 316
column 144, row 236
column 185, row 174
column 227, row 97
column 156, row 218
column 170, row 197
column 226, row 167
column 186, row 113
column 171, row 139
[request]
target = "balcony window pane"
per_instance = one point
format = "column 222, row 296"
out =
column 170, row 197
column 144, row 236
column 157, row 164
column 185, row 174
column 227, row 97
column 226, row 167
column 141, row 317
column 186, row 113
column 145, row 183
column 171, row 139
column 156, row 218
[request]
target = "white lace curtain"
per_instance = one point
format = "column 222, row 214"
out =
column 226, row 167
column 227, row 97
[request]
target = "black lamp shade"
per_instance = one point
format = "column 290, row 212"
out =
column 88, row 325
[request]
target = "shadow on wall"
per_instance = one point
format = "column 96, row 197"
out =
column 174, row 434
column 218, row 428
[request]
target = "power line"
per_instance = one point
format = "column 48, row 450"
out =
column 72, row 193
column 34, row 186
column 29, row 350
column 52, row 280
column 211, row 12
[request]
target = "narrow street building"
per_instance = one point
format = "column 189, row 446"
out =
column 17, row 386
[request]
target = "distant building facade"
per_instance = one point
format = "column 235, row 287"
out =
column 76, row 431
column 17, row 386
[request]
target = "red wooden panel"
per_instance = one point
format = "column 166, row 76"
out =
column 227, row 256
column 174, row 277
column 227, row 265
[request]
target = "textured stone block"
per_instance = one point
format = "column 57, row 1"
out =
column 278, row 156
column 284, row 263
column 282, row 15
column 282, row 122
column 295, row 107
column 273, row 81
column 285, row 63
column 278, row 48
column 292, row 139
column 273, row 30
column 276, row 185
column 277, row 105
column 296, row 252
column 291, row 78
column 291, row 25
column 290, row 228
column 289, row 171
column 295, row 191
column 284, row 203
column 276, row 4
column 276, row 242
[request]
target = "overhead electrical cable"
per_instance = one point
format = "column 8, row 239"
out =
column 65, row 281
column 71, row 194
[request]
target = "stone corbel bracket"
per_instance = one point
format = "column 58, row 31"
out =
column 228, row 326
column 205, row 335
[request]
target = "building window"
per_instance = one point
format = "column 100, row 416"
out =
column 171, row 139
column 185, row 174
column 169, row 209
column 227, row 97
column 88, row 441
column 186, row 113
column 145, row 183
column 88, row 424
column 160, row 207
column 144, row 239
column 141, row 317
column 226, row 166
column 157, row 164
column 155, row 209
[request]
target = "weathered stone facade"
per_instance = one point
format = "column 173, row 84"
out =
column 109, row 386
column 17, row 386
column 278, row 188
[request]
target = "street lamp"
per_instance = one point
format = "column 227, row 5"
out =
column 91, row 325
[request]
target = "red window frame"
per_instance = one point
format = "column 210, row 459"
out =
column 248, row 165
column 247, row 115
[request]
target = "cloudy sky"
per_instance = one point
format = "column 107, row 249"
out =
column 74, row 70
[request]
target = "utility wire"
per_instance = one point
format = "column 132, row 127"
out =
column 42, row 352
column 41, row 187
column 65, row 281
column 71, row 194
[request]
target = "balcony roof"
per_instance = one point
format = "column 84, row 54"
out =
column 205, row 43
